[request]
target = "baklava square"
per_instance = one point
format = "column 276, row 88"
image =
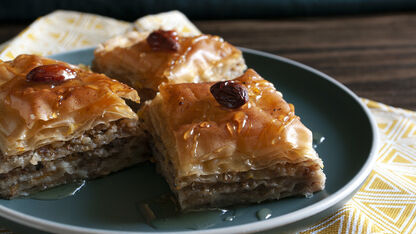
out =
column 145, row 60
column 231, row 142
column 60, row 123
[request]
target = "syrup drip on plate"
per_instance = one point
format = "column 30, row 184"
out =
column 264, row 214
column 59, row 192
column 229, row 218
column 318, row 139
column 163, row 213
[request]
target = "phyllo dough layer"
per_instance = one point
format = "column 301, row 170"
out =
column 132, row 60
column 214, row 156
column 43, row 118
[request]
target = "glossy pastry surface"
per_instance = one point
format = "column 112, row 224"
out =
column 199, row 58
column 36, row 113
column 212, row 139
column 231, row 142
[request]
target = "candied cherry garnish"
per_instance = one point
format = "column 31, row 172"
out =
column 52, row 73
column 229, row 94
column 161, row 40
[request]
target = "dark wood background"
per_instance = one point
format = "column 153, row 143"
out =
column 375, row 56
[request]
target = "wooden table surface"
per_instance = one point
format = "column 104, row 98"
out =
column 375, row 56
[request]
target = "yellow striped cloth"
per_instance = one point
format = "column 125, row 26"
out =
column 386, row 203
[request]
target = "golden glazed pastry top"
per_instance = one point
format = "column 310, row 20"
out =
column 203, row 137
column 34, row 114
column 22, row 65
column 132, row 57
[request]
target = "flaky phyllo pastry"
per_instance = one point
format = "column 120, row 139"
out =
column 231, row 142
column 145, row 60
column 59, row 123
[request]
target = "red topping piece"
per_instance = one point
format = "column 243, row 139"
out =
column 229, row 94
column 161, row 40
column 52, row 73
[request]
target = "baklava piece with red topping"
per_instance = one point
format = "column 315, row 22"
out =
column 231, row 142
column 145, row 60
column 59, row 123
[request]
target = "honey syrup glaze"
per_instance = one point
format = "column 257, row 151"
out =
column 262, row 129
column 163, row 213
column 59, row 192
column 62, row 97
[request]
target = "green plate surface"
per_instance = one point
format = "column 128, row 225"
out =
column 325, row 106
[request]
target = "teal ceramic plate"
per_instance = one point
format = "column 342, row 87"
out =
column 109, row 205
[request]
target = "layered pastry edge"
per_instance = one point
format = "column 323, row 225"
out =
column 242, row 178
column 58, row 132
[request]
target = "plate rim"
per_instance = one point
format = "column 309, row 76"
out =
column 275, row 222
